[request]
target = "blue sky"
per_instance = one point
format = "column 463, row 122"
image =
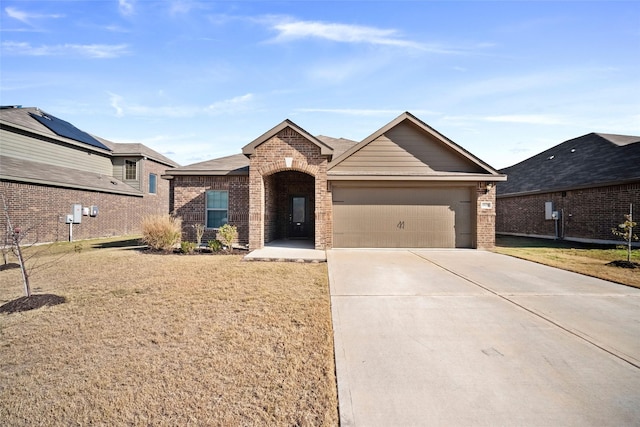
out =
column 196, row 80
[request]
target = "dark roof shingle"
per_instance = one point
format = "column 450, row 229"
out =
column 587, row 161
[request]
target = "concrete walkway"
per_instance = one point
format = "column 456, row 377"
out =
column 472, row 338
column 288, row 250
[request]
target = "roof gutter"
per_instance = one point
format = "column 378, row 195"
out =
column 67, row 185
column 440, row 178
column 559, row 189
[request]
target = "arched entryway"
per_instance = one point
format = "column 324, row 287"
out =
column 289, row 206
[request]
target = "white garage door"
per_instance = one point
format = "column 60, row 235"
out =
column 402, row 217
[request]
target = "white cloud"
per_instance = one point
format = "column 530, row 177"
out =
column 185, row 6
column 26, row 17
column 115, row 101
column 239, row 103
column 100, row 51
column 291, row 29
column 126, row 7
column 227, row 106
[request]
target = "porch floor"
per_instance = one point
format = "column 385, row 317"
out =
column 288, row 250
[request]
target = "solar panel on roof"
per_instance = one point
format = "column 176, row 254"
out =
column 67, row 130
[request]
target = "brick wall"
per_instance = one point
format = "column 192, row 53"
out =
column 268, row 159
column 485, row 216
column 189, row 203
column 42, row 209
column 589, row 214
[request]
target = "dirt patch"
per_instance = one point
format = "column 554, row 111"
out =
column 624, row 264
column 31, row 303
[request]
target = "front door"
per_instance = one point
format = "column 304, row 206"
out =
column 298, row 221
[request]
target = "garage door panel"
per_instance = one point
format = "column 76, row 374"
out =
column 402, row 217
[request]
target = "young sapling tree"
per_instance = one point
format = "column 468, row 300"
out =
column 625, row 231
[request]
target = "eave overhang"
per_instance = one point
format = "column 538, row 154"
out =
column 50, row 183
column 572, row 188
column 417, row 177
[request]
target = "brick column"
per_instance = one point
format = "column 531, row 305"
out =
column 256, row 206
column 485, row 216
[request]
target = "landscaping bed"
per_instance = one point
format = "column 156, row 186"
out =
column 168, row 340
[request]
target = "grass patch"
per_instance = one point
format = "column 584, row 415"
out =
column 592, row 260
column 147, row 339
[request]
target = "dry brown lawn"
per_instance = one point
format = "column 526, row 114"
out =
column 147, row 339
column 585, row 259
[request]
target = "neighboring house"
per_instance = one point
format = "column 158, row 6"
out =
column 47, row 165
column 405, row 186
column 588, row 182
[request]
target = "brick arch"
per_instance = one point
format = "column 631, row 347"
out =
column 297, row 165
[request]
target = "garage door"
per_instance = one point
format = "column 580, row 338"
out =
column 402, row 217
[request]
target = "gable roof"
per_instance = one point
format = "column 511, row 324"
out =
column 407, row 148
column 237, row 164
column 591, row 160
column 339, row 145
column 249, row 149
column 120, row 149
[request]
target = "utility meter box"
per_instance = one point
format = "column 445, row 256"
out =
column 548, row 210
column 93, row 211
column 69, row 219
column 76, row 210
column 555, row 215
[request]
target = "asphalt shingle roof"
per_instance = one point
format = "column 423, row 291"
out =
column 238, row 164
column 24, row 118
column 594, row 159
column 41, row 173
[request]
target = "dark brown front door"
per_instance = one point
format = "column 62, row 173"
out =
column 298, row 221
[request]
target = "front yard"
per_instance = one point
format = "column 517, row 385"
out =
column 147, row 339
column 591, row 260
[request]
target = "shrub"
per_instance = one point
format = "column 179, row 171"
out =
column 187, row 247
column 214, row 245
column 227, row 235
column 161, row 232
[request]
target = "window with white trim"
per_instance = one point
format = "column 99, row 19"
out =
column 217, row 208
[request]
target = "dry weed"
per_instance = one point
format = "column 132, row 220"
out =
column 169, row 340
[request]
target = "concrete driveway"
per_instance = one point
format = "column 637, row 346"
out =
column 462, row 337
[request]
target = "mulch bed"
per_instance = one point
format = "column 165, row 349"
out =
column 624, row 264
column 31, row 303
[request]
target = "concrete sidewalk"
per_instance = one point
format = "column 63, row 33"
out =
column 462, row 338
column 288, row 250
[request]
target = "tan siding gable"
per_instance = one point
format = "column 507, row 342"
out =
column 406, row 149
column 26, row 148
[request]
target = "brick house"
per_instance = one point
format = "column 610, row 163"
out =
column 588, row 182
column 47, row 165
column 406, row 185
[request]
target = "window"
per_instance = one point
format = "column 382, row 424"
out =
column 153, row 183
column 130, row 170
column 217, row 208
